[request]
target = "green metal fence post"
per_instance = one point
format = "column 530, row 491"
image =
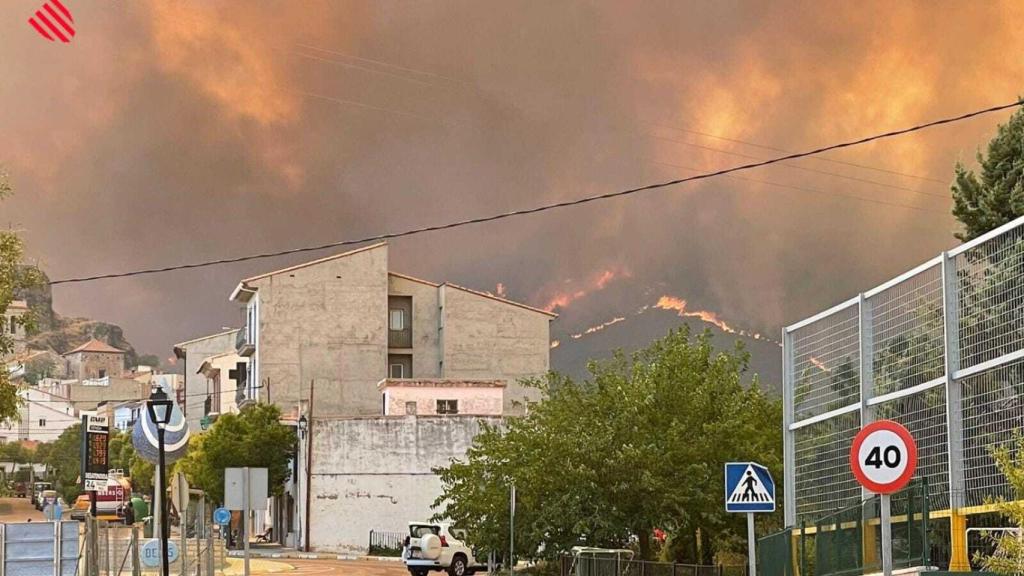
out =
column 803, row 548
column 925, row 510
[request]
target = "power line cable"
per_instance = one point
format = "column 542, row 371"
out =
column 811, row 190
column 547, row 207
column 385, row 64
column 804, row 168
column 819, row 158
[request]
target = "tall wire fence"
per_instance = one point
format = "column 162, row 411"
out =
column 939, row 349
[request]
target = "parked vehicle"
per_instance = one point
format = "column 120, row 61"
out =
column 110, row 502
column 37, row 493
column 438, row 547
column 80, row 510
column 21, row 489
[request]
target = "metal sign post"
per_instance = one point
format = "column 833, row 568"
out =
column 512, row 530
column 883, row 457
column 749, row 488
column 244, row 490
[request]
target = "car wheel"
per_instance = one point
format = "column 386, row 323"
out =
column 458, row 567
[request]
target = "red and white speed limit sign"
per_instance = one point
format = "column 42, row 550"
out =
column 883, row 456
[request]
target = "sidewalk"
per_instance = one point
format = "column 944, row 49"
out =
column 277, row 552
column 236, row 566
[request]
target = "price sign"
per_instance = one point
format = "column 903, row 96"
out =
column 95, row 453
column 883, row 457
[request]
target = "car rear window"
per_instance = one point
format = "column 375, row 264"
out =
column 421, row 530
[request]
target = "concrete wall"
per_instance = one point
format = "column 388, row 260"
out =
column 485, row 338
column 196, row 351
column 83, row 365
column 326, row 322
column 375, row 474
column 473, row 398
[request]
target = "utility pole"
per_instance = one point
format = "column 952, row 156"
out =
column 309, row 463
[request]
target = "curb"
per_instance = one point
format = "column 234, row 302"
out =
column 295, row 555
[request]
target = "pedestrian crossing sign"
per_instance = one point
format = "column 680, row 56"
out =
column 748, row 488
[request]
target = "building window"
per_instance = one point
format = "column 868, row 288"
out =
column 410, row 408
column 103, row 373
column 447, row 406
column 42, row 422
column 397, row 319
column 396, row 371
column 14, row 325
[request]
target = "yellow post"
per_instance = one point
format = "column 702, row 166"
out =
column 869, row 545
column 958, row 560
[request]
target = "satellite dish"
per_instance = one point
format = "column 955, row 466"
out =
column 176, row 434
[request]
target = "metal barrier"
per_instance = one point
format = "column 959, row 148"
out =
column 848, row 541
column 113, row 549
column 617, row 566
column 39, row 548
column 775, row 555
column 386, row 543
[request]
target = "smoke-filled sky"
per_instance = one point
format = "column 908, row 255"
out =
column 174, row 131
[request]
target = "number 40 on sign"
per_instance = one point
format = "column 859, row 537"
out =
column 883, row 457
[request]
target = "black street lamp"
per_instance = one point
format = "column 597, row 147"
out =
column 159, row 407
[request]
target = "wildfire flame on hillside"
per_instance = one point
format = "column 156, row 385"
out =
column 679, row 305
column 598, row 328
column 596, row 283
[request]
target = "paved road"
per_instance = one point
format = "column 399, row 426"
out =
column 18, row 510
column 331, row 568
column 348, row 568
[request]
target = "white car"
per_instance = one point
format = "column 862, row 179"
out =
column 438, row 546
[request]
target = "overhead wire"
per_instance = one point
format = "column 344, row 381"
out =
column 819, row 158
column 811, row 190
column 546, row 207
column 803, row 168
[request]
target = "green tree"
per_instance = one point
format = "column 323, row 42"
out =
column 253, row 438
column 63, row 458
column 1009, row 555
column 639, row 445
column 14, row 278
column 984, row 202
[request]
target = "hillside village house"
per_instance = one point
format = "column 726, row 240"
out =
column 42, row 417
column 385, row 376
column 198, row 388
column 9, row 326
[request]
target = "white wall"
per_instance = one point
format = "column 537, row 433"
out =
column 376, row 474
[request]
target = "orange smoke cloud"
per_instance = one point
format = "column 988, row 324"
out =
column 198, row 43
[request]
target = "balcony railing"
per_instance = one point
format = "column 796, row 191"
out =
column 244, row 344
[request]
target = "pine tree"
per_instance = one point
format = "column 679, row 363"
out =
column 997, row 196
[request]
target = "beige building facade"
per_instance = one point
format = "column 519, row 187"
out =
column 442, row 397
column 380, row 366
column 341, row 324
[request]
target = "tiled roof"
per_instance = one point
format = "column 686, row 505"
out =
column 95, row 345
